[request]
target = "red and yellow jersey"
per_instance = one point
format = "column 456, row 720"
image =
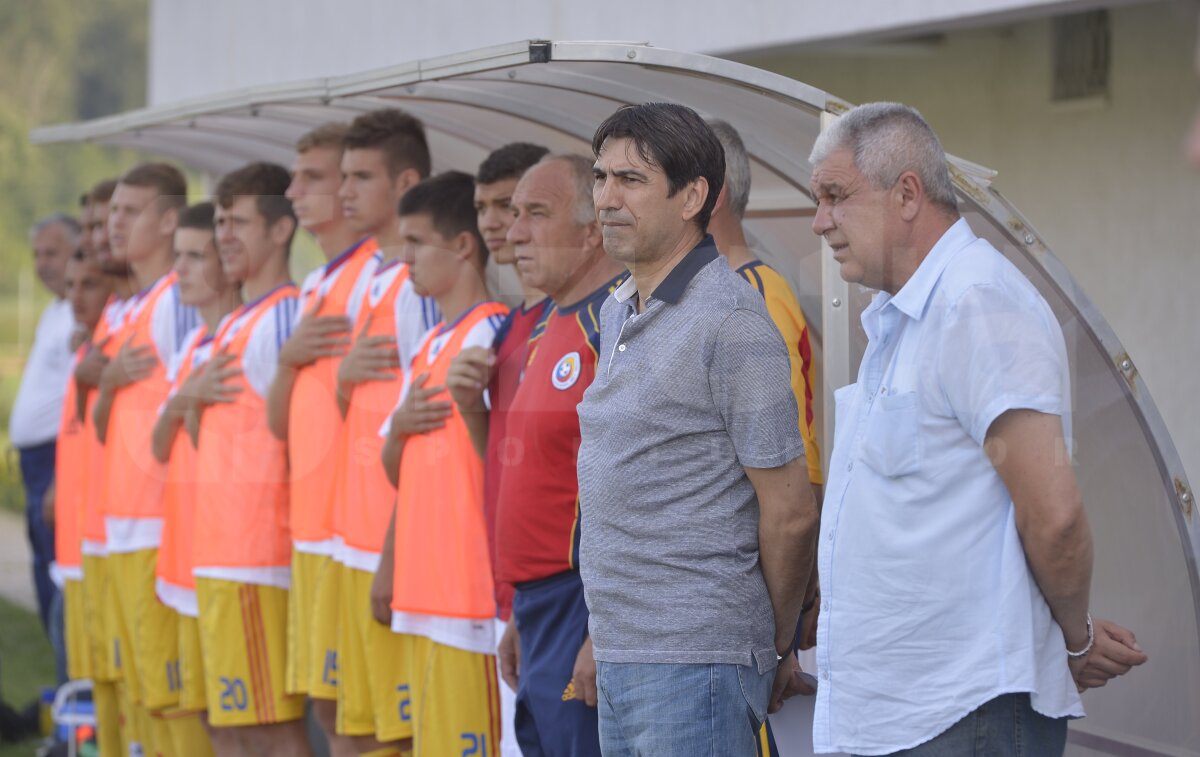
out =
column 133, row 477
column 241, row 468
column 364, row 497
column 511, row 345
column 789, row 319
column 70, row 482
column 314, row 420
column 175, row 584
column 441, row 552
column 107, row 338
column 537, row 517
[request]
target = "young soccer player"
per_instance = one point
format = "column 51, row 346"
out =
column 242, row 547
column 304, row 387
column 88, row 290
column 391, row 324
column 203, row 285
column 382, row 154
column 143, row 215
column 436, row 553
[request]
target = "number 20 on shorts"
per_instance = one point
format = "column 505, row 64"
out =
column 233, row 694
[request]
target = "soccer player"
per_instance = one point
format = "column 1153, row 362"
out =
column 114, row 731
column 559, row 250
column 392, row 322
column 142, row 220
column 87, row 291
column 435, row 555
column 203, row 285
column 242, row 547
column 304, row 385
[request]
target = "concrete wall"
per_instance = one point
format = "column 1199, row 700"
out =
column 200, row 47
column 1105, row 183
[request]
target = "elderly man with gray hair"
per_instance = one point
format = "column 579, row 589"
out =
column 37, row 408
column 955, row 555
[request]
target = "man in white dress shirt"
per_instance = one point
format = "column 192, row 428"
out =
column 955, row 556
column 37, row 409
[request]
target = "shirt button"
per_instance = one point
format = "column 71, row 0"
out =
column 850, row 466
column 621, row 347
column 825, row 675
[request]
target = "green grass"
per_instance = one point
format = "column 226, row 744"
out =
column 26, row 665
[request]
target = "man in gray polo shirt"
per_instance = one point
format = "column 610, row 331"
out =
column 697, row 520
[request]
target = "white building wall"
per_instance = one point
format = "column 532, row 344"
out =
column 1105, row 184
column 201, row 47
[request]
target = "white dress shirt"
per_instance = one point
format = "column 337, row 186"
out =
column 37, row 410
column 929, row 608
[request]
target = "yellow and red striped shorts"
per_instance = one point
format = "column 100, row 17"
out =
column 455, row 702
column 243, row 637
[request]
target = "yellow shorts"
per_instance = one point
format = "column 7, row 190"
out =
column 151, row 658
column 455, row 700
column 302, row 598
column 79, row 660
column 191, row 666
column 102, row 637
column 108, row 717
column 243, row 636
column 323, row 626
column 185, row 735
column 373, row 692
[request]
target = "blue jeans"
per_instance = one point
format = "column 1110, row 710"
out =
column 1006, row 726
column 37, row 471
column 669, row 710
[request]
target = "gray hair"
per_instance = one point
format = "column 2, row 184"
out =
column 737, row 166
column 69, row 224
column 888, row 139
column 581, row 175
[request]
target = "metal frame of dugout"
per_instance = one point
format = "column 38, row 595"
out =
column 556, row 93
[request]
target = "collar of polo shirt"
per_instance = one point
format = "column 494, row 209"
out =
column 672, row 287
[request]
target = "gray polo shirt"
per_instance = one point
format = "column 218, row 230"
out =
column 687, row 395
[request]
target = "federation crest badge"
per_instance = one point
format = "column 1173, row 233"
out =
column 567, row 371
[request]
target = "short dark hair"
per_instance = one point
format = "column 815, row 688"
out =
column 675, row 139
column 103, row 190
column 449, row 201
column 265, row 182
column 399, row 135
column 163, row 177
column 198, row 216
column 509, row 162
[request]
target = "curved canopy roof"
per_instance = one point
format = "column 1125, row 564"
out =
column 556, row 93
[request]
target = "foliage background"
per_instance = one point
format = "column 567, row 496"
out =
column 59, row 61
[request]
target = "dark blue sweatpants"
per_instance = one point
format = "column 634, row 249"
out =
column 552, row 621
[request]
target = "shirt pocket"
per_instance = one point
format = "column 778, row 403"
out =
column 892, row 446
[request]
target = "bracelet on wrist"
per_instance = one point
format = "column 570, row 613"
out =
column 1091, row 639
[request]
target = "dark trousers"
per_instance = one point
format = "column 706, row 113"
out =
column 37, row 471
column 553, row 622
